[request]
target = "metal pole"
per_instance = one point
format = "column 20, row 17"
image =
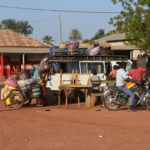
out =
column 23, row 61
column 60, row 29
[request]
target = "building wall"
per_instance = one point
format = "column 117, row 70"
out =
column 133, row 53
column 11, row 60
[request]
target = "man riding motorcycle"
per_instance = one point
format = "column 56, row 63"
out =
column 121, row 76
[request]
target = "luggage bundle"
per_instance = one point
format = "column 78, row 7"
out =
column 73, row 48
column 23, row 75
column 5, row 92
column 93, row 51
column 44, row 65
column 60, row 51
column 26, row 84
column 11, row 83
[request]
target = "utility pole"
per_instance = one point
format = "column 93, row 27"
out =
column 60, row 29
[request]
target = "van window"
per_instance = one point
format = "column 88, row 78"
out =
column 108, row 67
column 83, row 68
column 72, row 66
column 99, row 67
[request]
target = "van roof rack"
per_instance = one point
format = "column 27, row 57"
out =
column 77, row 58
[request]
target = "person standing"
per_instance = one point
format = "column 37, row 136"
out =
column 112, row 74
column 32, row 69
column 136, row 73
column 121, row 76
column 36, row 73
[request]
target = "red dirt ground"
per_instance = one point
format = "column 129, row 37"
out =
column 34, row 128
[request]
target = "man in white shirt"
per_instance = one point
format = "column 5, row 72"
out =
column 121, row 76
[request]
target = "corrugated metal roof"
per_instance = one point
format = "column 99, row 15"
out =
column 113, row 37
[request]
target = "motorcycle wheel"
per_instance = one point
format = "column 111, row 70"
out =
column 109, row 104
column 147, row 102
column 27, row 102
column 16, row 100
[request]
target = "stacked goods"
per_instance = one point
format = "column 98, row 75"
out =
column 26, row 84
column 23, row 75
column 73, row 48
column 12, row 81
column 93, row 51
column 5, row 93
column 44, row 65
column 105, row 48
column 60, row 51
column 10, row 84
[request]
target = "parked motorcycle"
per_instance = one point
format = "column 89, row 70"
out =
column 114, row 98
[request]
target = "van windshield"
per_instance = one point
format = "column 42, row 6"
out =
column 86, row 67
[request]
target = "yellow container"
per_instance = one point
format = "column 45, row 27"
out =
column 130, row 85
column 7, row 101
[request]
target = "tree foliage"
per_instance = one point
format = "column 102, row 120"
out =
column 98, row 35
column 87, row 41
column 22, row 27
column 134, row 21
column 48, row 39
column 75, row 35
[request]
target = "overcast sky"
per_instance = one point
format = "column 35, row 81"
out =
column 47, row 22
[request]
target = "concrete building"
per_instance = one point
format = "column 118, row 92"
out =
column 118, row 46
column 17, row 49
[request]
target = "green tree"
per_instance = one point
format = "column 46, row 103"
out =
column 134, row 21
column 22, row 27
column 75, row 35
column 87, row 41
column 48, row 39
column 99, row 34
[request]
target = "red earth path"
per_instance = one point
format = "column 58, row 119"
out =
column 57, row 128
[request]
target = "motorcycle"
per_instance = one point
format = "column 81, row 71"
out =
column 113, row 98
column 13, row 98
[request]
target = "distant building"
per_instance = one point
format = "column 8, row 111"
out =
column 19, row 50
column 119, row 47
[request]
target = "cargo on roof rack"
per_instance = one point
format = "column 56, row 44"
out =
column 76, row 58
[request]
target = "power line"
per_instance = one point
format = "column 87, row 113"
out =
column 46, row 19
column 66, row 11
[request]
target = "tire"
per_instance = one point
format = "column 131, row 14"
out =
column 147, row 103
column 27, row 99
column 27, row 102
column 107, row 103
column 17, row 100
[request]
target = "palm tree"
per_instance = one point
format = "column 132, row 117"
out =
column 75, row 35
column 48, row 39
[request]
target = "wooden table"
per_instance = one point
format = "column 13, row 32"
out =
column 68, row 89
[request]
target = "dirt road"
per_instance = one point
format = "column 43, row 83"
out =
column 37, row 128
